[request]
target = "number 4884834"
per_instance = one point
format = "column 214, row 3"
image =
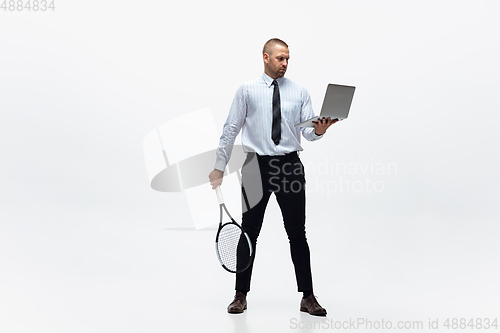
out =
column 27, row 5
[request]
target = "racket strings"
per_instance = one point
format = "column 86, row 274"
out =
column 234, row 248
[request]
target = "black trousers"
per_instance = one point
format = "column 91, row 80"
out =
column 283, row 176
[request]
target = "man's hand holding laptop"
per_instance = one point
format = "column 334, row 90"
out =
column 322, row 124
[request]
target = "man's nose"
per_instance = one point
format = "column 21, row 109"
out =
column 285, row 62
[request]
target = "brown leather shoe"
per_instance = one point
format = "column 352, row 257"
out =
column 311, row 306
column 239, row 303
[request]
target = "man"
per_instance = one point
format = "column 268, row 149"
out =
column 266, row 110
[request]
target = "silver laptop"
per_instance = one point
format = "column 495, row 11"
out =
column 336, row 105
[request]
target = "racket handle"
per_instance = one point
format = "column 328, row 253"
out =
column 219, row 194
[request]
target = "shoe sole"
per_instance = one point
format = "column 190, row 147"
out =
column 238, row 311
column 303, row 309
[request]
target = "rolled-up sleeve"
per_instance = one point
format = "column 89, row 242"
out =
column 231, row 129
column 305, row 114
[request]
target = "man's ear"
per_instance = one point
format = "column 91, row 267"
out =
column 266, row 58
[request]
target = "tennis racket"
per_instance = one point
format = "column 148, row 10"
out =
column 232, row 244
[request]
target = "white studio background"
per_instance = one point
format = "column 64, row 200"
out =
column 82, row 240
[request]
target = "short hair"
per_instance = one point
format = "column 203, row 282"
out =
column 270, row 44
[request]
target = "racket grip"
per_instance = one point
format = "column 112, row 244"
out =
column 219, row 194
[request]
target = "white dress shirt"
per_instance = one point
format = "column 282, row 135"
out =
column 252, row 112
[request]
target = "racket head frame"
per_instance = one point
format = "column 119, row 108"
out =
column 222, row 207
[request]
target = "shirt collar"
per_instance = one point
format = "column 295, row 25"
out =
column 269, row 80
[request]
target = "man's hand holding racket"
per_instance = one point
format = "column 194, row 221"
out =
column 215, row 178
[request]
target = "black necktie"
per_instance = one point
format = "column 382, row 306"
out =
column 276, row 133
